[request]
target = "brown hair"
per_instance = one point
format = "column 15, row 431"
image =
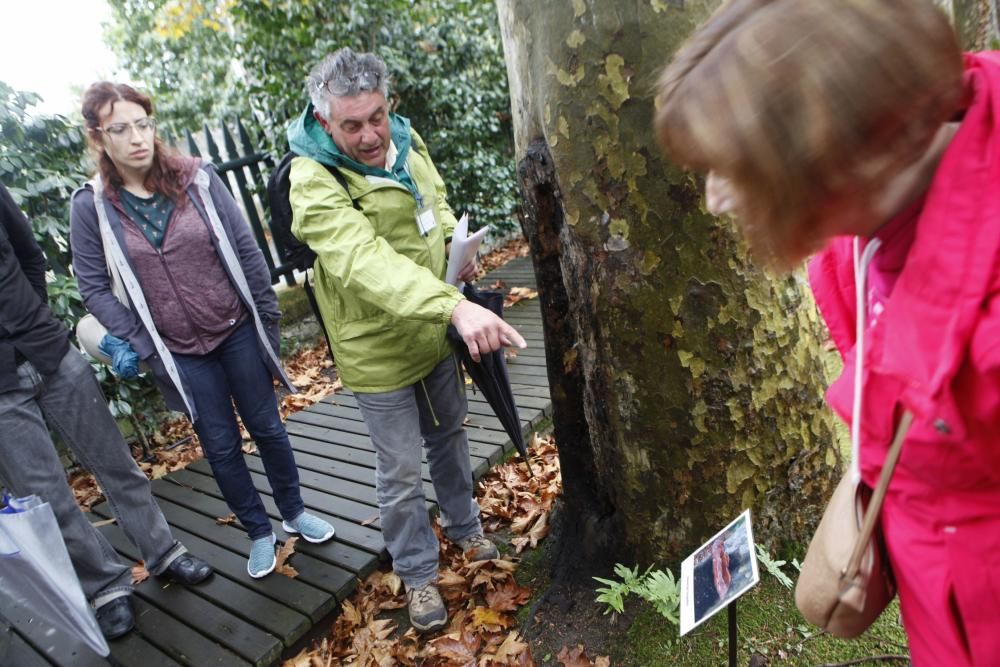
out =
column 167, row 173
column 788, row 98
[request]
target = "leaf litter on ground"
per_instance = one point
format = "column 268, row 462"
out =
column 482, row 596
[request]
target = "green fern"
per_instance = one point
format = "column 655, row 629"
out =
column 612, row 595
column 774, row 566
column 658, row 587
column 661, row 590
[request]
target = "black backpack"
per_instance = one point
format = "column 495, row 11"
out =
column 292, row 250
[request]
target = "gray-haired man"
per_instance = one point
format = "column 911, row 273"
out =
column 379, row 287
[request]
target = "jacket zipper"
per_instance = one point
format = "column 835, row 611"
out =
column 180, row 300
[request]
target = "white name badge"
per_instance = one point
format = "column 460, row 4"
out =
column 425, row 220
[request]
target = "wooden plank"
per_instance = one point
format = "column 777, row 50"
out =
column 258, row 647
column 334, row 477
column 474, row 420
column 179, row 641
column 335, row 551
column 232, row 564
column 534, row 352
column 363, row 537
column 530, row 369
column 325, row 502
column 330, row 476
column 16, row 652
column 525, row 404
column 519, row 360
column 341, row 424
column 53, row 643
column 522, row 389
column 487, row 451
column 480, row 414
column 313, row 572
column 284, row 623
column 359, row 457
column 307, row 480
column 516, row 378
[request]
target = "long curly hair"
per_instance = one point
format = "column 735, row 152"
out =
column 166, row 175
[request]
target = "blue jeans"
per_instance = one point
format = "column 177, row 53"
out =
column 71, row 402
column 235, row 372
column 429, row 413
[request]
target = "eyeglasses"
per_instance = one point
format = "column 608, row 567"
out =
column 122, row 131
column 363, row 81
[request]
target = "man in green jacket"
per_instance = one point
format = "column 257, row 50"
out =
column 379, row 284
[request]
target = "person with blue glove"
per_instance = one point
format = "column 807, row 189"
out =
column 46, row 382
column 124, row 360
column 202, row 313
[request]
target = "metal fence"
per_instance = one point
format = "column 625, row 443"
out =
column 244, row 170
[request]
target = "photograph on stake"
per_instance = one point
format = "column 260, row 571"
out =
column 718, row 572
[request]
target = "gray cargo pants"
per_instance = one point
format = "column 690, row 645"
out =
column 430, row 412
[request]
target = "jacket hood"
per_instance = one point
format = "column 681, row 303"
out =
column 306, row 137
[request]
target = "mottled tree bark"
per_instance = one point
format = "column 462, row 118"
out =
column 687, row 384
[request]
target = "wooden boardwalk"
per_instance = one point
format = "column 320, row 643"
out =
column 233, row 620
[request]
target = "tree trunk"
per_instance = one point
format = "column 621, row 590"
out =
column 687, row 384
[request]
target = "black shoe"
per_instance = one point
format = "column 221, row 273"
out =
column 116, row 618
column 188, row 570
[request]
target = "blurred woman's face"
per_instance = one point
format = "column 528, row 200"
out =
column 127, row 134
column 848, row 214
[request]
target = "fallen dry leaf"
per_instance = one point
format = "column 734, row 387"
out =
column 458, row 649
column 573, row 657
column 350, row 613
column 516, row 294
column 511, row 647
column 104, row 522
column 448, row 578
column 509, row 596
column 489, row 619
column 284, row 553
column 392, row 581
column 227, row 520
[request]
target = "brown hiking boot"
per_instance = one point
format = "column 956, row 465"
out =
column 427, row 610
column 477, row 547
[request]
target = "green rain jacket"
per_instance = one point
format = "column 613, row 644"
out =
column 379, row 282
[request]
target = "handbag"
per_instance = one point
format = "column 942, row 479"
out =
column 845, row 581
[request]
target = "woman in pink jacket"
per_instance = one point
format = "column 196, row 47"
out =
column 859, row 130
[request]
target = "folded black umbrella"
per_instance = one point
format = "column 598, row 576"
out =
column 490, row 373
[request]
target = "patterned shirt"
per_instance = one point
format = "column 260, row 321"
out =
column 149, row 214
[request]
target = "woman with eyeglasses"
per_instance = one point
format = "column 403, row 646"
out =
column 195, row 303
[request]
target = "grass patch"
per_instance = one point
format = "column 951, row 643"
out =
column 769, row 625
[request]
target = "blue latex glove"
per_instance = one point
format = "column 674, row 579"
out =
column 124, row 360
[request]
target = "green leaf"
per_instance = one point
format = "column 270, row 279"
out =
column 773, row 566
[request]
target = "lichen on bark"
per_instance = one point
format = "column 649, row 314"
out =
column 701, row 376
